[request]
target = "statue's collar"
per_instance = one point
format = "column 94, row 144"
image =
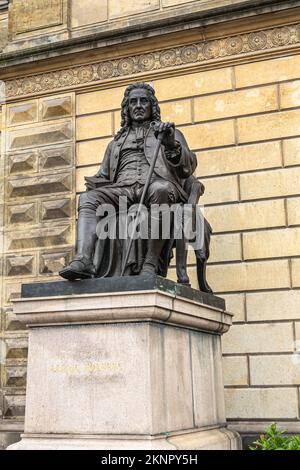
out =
column 144, row 125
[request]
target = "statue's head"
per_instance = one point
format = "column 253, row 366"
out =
column 139, row 104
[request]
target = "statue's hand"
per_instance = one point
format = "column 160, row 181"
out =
column 168, row 131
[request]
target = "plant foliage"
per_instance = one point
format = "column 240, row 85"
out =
column 276, row 440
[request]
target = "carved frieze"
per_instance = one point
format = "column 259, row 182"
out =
column 197, row 53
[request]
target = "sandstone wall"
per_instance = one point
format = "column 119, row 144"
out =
column 234, row 91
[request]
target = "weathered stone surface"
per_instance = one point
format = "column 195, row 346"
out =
column 32, row 15
column 264, row 370
column 21, row 214
column 249, row 276
column 291, row 152
column 268, row 126
column 12, row 290
column 235, row 303
column 91, row 152
column 296, row 272
column 55, row 157
column 255, row 338
column 290, row 94
column 271, row 243
column 239, row 159
column 96, row 125
column 194, row 84
column 22, row 113
column 42, row 135
column 281, row 69
column 236, row 103
column 14, row 406
column 225, row 248
column 73, row 363
column 22, row 162
column 33, row 238
column 56, row 107
column 235, row 370
column 19, row 265
column 271, row 183
column 52, row 263
column 265, row 306
column 293, row 211
column 56, row 209
column 222, row 189
column 86, row 13
column 11, row 322
column 16, row 348
column 207, row 380
column 39, row 185
column 15, row 376
column 243, row 216
column 130, row 7
column 261, row 403
column 211, row 134
column 179, row 112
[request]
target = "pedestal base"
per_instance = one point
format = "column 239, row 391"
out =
column 125, row 370
column 212, row 439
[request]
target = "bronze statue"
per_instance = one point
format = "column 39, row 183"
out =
column 123, row 173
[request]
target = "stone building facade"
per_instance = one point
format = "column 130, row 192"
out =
column 227, row 72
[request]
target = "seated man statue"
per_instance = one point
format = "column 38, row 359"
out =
column 124, row 172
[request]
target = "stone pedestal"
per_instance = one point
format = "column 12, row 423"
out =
column 134, row 369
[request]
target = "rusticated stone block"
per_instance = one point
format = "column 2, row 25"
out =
column 14, row 406
column 56, row 209
column 12, row 323
column 19, row 265
column 56, row 107
column 22, row 163
column 12, row 290
column 42, row 135
column 55, row 157
column 22, row 113
column 39, row 185
column 16, row 348
column 15, row 376
column 52, row 263
column 46, row 236
column 24, row 213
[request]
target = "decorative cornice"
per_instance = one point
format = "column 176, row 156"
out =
column 164, row 59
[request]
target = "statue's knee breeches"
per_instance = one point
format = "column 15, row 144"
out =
column 162, row 192
column 88, row 202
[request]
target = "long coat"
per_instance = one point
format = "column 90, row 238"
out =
column 176, row 173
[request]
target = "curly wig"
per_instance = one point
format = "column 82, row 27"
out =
column 125, row 116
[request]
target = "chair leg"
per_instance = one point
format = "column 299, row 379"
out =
column 181, row 261
column 201, row 275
